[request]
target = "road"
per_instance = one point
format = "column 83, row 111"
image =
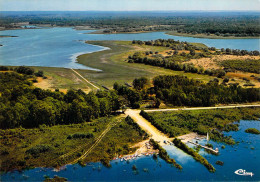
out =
column 201, row 108
column 155, row 133
column 84, row 78
column 147, row 126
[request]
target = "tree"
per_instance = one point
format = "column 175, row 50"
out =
column 40, row 113
column 140, row 83
column 192, row 52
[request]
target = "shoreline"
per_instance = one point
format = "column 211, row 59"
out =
column 206, row 36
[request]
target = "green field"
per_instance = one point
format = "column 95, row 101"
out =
column 113, row 65
column 115, row 68
column 15, row 143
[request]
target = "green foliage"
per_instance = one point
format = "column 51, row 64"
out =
column 140, row 83
column 179, row 90
column 24, row 105
column 221, row 163
column 133, row 96
column 164, row 155
column 178, row 143
column 15, row 143
column 217, row 23
column 38, row 149
column 4, row 68
column 80, row 135
column 175, row 61
column 248, row 65
column 201, row 121
column 252, row 131
column 131, row 122
column 39, row 73
column 25, row 70
column 55, row 179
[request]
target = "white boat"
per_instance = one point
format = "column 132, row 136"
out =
column 207, row 136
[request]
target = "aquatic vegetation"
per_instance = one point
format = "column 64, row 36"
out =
column 55, row 179
column 221, row 163
column 164, row 155
column 134, row 167
column 178, row 143
column 252, row 131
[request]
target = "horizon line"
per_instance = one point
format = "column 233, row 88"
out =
column 128, row 10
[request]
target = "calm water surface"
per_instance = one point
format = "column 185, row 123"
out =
column 240, row 156
column 59, row 47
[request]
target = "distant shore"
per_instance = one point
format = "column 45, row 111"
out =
column 211, row 36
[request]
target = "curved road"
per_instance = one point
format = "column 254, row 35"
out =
column 154, row 132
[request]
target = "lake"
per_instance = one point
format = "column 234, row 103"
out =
column 244, row 155
column 59, row 47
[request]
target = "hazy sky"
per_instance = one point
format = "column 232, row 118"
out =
column 127, row 5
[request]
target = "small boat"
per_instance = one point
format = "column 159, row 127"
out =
column 207, row 136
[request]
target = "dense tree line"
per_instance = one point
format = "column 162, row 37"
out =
column 248, row 65
column 179, row 45
column 21, row 104
column 179, row 90
column 217, row 23
column 176, row 61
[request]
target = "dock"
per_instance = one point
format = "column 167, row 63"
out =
column 211, row 149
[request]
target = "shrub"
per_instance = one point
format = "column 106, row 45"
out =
column 39, row 149
column 252, row 131
column 80, row 135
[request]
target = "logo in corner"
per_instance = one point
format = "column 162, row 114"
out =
column 243, row 172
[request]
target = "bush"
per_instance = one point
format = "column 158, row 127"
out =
column 4, row 68
column 252, row 131
column 39, row 74
column 25, row 70
column 80, row 135
column 39, row 149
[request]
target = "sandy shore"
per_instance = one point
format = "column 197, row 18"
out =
column 189, row 137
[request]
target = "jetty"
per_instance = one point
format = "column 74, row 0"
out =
column 211, row 149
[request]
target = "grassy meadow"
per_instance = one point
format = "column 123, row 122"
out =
column 43, row 147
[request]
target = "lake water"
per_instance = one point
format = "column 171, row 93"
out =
column 59, row 47
column 240, row 156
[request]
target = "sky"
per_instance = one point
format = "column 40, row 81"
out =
column 128, row 5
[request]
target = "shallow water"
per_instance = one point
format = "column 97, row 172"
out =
column 240, row 156
column 59, row 47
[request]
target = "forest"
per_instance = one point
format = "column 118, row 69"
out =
column 22, row 104
column 247, row 65
column 238, row 24
column 27, row 106
column 182, row 91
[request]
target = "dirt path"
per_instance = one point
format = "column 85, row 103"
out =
column 202, row 108
column 84, row 79
column 147, row 126
column 159, row 136
column 99, row 138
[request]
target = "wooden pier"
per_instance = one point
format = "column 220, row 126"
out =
column 211, row 149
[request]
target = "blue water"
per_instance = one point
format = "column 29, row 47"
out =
column 59, row 47
column 240, row 156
